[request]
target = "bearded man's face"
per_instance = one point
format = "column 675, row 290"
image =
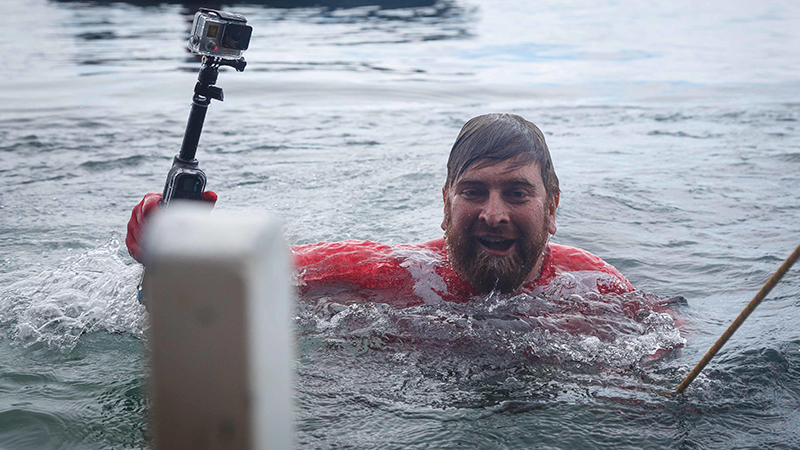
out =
column 497, row 220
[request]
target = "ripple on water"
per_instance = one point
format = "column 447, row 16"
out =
column 24, row 428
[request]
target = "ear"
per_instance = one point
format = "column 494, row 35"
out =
column 444, row 200
column 551, row 214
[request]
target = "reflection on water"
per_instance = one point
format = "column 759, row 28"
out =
column 673, row 129
column 285, row 4
column 287, row 36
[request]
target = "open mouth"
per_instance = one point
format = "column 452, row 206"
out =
column 495, row 243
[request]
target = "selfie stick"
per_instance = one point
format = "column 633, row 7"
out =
column 185, row 180
column 739, row 320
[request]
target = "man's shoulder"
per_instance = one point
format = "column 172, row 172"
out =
column 354, row 249
column 565, row 258
column 435, row 244
column 573, row 259
column 334, row 253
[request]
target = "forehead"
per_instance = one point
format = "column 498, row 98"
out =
column 505, row 171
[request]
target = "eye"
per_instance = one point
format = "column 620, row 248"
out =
column 518, row 195
column 471, row 193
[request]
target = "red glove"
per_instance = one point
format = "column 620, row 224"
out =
column 150, row 203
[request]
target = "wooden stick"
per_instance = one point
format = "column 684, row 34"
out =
column 739, row 320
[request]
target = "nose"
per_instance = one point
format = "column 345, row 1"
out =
column 495, row 211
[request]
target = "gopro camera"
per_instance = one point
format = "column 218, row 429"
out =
column 219, row 34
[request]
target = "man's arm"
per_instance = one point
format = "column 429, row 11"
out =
column 354, row 271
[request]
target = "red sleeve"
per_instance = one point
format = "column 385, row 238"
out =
column 360, row 264
column 571, row 259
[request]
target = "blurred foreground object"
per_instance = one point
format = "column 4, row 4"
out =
column 220, row 301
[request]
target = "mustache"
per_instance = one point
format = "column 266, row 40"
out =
column 483, row 230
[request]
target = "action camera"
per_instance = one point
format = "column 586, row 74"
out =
column 219, row 34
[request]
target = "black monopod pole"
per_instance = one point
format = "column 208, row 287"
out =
column 204, row 92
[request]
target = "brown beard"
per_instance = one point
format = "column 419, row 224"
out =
column 487, row 273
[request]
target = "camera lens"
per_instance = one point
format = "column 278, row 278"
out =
column 237, row 36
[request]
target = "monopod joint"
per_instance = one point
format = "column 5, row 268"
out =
column 204, row 93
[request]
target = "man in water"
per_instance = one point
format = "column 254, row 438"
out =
column 500, row 201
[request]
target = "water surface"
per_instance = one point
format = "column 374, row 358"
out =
column 673, row 129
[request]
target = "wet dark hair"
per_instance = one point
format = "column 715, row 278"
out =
column 492, row 138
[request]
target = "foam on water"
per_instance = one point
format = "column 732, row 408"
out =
column 569, row 322
column 87, row 293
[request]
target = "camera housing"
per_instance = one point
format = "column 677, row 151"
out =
column 219, row 34
column 183, row 183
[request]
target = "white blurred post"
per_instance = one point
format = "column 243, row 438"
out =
column 219, row 296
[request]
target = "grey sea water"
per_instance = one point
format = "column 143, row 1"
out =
column 673, row 129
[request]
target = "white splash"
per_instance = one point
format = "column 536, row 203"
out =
column 421, row 265
column 569, row 322
column 95, row 291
